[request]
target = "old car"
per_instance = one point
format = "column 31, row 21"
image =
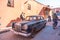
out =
column 29, row 26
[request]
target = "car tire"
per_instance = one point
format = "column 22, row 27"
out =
column 32, row 36
column 33, row 33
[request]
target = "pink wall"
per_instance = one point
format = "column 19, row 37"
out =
column 8, row 13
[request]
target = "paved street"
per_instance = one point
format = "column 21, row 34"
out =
column 48, row 33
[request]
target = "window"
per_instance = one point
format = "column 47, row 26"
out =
column 25, row 2
column 10, row 3
column 41, row 18
column 29, row 7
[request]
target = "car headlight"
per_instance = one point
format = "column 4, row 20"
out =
column 25, row 27
column 18, row 26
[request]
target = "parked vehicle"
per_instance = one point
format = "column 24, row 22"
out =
column 29, row 26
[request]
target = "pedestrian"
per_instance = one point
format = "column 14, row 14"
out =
column 22, row 16
column 49, row 18
column 55, row 20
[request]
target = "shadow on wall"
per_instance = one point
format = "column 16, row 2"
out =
column 15, row 20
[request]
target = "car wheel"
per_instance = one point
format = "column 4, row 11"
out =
column 32, row 36
column 33, row 33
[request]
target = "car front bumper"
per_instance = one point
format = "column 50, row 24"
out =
column 19, row 33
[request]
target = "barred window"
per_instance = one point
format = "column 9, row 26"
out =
column 29, row 7
column 10, row 3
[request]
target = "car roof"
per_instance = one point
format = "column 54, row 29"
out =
column 34, row 16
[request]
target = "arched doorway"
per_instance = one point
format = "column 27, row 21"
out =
column 45, row 12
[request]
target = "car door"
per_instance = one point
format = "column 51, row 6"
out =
column 40, row 24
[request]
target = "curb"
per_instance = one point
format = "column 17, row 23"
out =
column 3, row 30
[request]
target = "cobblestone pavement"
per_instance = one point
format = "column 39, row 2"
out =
column 48, row 33
column 11, row 36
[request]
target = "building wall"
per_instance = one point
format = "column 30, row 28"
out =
column 10, row 13
column 35, row 8
column 56, row 10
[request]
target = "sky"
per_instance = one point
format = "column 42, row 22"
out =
column 52, row 3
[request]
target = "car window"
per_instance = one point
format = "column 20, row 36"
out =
column 34, row 18
column 27, row 18
column 41, row 18
column 38, row 17
column 31, row 18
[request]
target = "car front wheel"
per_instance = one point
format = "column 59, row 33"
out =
column 33, row 33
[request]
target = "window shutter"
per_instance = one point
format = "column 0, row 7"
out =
column 10, row 3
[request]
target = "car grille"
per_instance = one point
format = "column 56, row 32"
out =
column 18, row 29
